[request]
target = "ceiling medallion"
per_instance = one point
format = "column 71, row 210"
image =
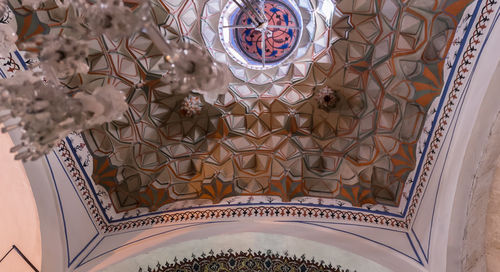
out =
column 289, row 28
column 264, row 45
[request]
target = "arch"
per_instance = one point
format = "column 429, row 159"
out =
column 471, row 169
column 298, row 238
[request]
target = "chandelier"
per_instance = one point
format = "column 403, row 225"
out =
column 45, row 110
column 39, row 102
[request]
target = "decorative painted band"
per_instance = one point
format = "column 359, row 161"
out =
column 217, row 213
column 464, row 71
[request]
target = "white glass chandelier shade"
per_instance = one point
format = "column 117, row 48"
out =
column 46, row 110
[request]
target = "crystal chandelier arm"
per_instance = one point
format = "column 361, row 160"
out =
column 3, row 7
column 263, row 45
column 252, row 12
column 241, row 6
column 286, row 27
column 260, row 19
column 260, row 9
column 169, row 50
column 188, row 67
column 154, row 34
column 45, row 110
column 49, row 73
column 237, row 26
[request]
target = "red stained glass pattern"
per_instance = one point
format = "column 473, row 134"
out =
column 281, row 34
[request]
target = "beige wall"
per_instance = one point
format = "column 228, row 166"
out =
column 492, row 241
column 481, row 211
column 481, row 237
column 19, row 223
column 277, row 243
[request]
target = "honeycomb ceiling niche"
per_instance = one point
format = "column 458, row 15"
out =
column 268, row 135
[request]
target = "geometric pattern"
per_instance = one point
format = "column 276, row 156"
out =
column 397, row 229
column 314, row 36
column 245, row 261
column 73, row 152
column 280, row 42
column 273, row 139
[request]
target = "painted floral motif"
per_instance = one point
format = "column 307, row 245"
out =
column 245, row 261
column 281, row 36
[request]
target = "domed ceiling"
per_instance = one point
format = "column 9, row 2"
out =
column 274, row 133
column 331, row 114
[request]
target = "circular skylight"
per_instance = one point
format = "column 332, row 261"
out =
column 273, row 40
column 265, row 43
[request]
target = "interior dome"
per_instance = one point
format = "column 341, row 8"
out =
column 277, row 37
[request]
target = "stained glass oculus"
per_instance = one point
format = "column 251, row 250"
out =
column 264, row 45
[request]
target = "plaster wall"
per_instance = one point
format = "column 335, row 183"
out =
column 19, row 224
column 475, row 169
column 492, row 237
column 481, row 209
column 148, row 247
column 282, row 244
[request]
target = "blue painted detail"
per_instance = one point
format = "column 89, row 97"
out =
column 418, row 260
column 69, row 262
column 84, row 260
column 247, row 48
column 77, row 159
column 456, row 115
column 414, row 250
column 284, row 46
column 247, row 41
column 20, row 58
column 441, row 102
column 420, row 245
